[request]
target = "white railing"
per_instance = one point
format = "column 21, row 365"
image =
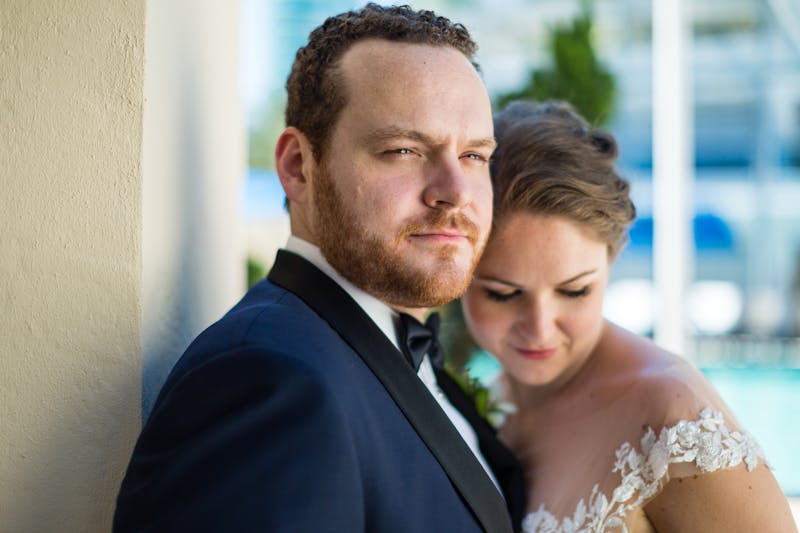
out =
column 745, row 350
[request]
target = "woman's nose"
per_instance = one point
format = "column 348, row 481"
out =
column 536, row 324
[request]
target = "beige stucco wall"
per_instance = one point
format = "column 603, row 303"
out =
column 122, row 154
column 71, row 105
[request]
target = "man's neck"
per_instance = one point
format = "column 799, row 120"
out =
column 308, row 248
column 417, row 312
column 381, row 313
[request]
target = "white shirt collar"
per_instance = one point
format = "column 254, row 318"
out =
column 380, row 313
column 385, row 318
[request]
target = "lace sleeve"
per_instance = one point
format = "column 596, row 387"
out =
column 707, row 444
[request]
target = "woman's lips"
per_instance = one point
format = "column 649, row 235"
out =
column 537, row 354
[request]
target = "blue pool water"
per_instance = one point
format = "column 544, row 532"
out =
column 765, row 400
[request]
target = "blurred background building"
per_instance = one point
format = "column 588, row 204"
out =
column 742, row 306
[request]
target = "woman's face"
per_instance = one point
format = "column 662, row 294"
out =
column 536, row 300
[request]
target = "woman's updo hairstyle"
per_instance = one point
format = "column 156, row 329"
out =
column 549, row 162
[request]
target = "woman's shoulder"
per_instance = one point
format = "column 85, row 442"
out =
column 666, row 387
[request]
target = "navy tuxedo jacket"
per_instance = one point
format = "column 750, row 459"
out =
column 294, row 413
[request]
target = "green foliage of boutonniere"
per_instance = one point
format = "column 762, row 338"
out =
column 489, row 401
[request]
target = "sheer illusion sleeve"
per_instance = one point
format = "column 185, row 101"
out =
column 707, row 473
column 692, row 431
column 605, row 469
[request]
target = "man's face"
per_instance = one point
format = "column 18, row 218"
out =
column 402, row 201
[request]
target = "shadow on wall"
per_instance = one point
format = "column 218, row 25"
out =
column 193, row 160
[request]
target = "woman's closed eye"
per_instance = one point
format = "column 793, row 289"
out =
column 577, row 293
column 500, row 296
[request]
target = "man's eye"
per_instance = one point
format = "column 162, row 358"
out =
column 499, row 296
column 476, row 157
column 399, row 151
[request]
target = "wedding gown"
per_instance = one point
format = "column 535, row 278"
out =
column 595, row 457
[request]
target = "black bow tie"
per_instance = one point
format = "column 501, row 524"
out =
column 417, row 339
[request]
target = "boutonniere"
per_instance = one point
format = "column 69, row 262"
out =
column 489, row 399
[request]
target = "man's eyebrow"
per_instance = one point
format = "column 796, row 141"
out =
column 415, row 135
column 400, row 133
column 485, row 142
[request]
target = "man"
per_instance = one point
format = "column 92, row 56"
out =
column 301, row 410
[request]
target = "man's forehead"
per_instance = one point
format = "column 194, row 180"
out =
column 424, row 92
column 397, row 57
column 392, row 132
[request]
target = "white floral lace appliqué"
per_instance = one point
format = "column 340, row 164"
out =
column 707, row 442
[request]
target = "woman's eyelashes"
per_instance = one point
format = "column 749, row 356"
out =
column 504, row 296
column 498, row 296
column 570, row 293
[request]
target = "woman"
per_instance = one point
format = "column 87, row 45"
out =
column 614, row 433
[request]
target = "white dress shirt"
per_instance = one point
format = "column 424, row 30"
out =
column 385, row 318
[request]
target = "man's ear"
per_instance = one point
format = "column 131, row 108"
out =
column 294, row 162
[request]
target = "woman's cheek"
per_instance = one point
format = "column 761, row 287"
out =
column 485, row 324
column 587, row 317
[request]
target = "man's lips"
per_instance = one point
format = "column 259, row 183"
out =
column 538, row 354
column 443, row 236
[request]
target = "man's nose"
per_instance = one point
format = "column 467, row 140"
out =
column 449, row 186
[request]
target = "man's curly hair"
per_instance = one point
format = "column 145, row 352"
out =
column 315, row 86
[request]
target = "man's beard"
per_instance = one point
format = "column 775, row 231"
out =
column 377, row 266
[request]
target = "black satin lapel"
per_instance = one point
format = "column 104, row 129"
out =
column 336, row 307
column 505, row 466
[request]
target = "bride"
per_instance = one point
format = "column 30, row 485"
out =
column 614, row 433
